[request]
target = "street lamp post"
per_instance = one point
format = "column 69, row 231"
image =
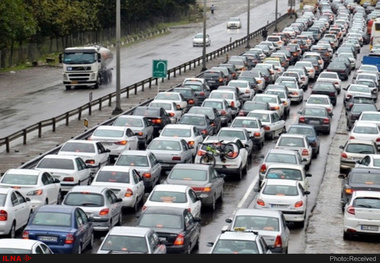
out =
column 276, row 13
column 248, row 21
column 117, row 109
column 204, row 38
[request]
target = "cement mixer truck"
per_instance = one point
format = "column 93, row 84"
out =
column 86, row 66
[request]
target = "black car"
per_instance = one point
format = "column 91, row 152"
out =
column 339, row 67
column 359, row 178
column 178, row 229
column 214, row 78
column 316, row 116
column 190, row 96
column 156, row 115
column 355, row 112
column 202, row 90
column 212, row 113
column 253, row 105
column 326, row 88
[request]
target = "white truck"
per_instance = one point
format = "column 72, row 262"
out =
column 86, row 66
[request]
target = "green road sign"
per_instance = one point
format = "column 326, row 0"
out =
column 160, row 68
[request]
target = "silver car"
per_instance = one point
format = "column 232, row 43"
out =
column 270, row 224
column 99, row 202
column 145, row 162
column 140, row 125
column 207, row 183
column 170, row 151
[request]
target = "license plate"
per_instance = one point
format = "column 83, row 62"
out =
column 74, row 82
column 211, row 81
column 313, row 122
column 278, row 206
column 162, row 238
column 370, row 228
column 47, row 238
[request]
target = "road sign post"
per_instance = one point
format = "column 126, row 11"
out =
column 159, row 70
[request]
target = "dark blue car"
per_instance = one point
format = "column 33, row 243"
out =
column 65, row 229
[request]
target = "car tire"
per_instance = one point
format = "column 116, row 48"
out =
column 79, row 249
column 92, row 241
column 213, row 203
column 347, row 236
column 59, row 198
column 120, row 219
column 12, row 231
column 221, row 197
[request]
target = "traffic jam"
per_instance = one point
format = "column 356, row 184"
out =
column 170, row 162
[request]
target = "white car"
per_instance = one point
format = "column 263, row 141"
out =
column 362, row 214
column 99, row 202
column 369, row 160
column 356, row 89
column 234, row 22
column 284, row 97
column 140, row 125
column 240, row 133
column 70, row 170
column 39, row 186
column 188, row 132
column 198, row 40
column 15, row 210
column 174, row 111
column 309, row 67
column 230, row 97
column 363, row 130
column 274, row 126
column 174, row 195
column 236, row 167
column 274, row 101
column 124, row 181
column 254, row 127
column 370, row 116
column 320, row 100
column 245, row 88
column 176, row 97
column 296, row 142
column 286, row 195
column 146, row 164
column 296, row 93
column 131, row 240
column 23, row 246
column 116, row 138
column 92, row 152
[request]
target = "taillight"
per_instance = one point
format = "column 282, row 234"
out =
column 266, row 128
column 68, row 179
column 147, row 175
column 104, row 212
column 232, row 104
column 202, row 189
column 352, row 137
column 351, row 210
column 128, row 192
column 278, row 242
column 344, row 155
column 191, row 101
column 35, row 192
column 121, row 143
column 176, row 158
column 69, row 239
column 90, row 161
column 171, row 114
column 25, row 235
column 180, row 240
column 326, row 120
column 191, row 143
column 349, row 191
column 256, row 134
column 3, row 215
column 156, row 121
column 305, row 152
column 298, row 204
column 263, row 168
column 260, row 202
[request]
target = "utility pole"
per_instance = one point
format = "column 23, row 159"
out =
column 248, row 21
column 117, row 109
column 204, row 38
column 276, row 13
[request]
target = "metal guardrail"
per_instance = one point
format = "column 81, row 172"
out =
column 146, row 83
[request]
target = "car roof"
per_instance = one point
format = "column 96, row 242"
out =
column 171, row 187
column 240, row 235
column 281, row 182
column 215, row 138
column 164, row 210
column 365, row 193
column 116, row 168
column 87, row 188
column 360, row 141
column 191, row 166
column 67, row 209
column 18, row 243
column 253, row 211
column 129, row 230
column 286, row 165
column 56, row 156
column 180, row 125
column 282, row 151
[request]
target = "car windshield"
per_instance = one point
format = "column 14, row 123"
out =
column 109, row 133
column 237, row 246
column 165, row 106
column 161, row 221
column 292, row 142
column 52, row 163
column 370, row 117
column 245, row 123
column 168, row 197
column 125, row 243
column 284, row 173
column 132, row 160
column 51, row 219
column 281, row 158
column 173, row 132
column 360, row 148
column 19, row 179
column 286, row 190
column 230, row 133
column 164, row 145
column 78, row 147
column 315, row 112
column 192, row 120
column 213, row 104
column 84, row 199
column 147, row 112
column 188, row 174
column 365, row 129
column 256, row 222
column 112, row 176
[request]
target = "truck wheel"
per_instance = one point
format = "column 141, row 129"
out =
column 98, row 82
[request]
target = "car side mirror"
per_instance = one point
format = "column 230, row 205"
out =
column 56, row 180
column 306, row 192
column 341, row 147
column 308, row 175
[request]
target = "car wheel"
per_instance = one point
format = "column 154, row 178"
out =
column 283, row 130
column 213, row 203
column 120, row 219
column 346, row 236
column 12, row 231
column 188, row 249
column 240, row 174
column 59, row 198
column 221, row 197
